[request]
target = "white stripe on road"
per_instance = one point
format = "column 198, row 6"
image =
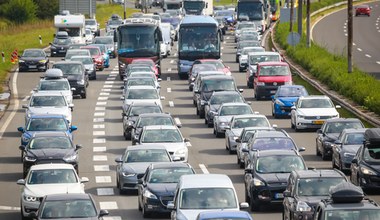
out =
column 9, row 208
column 101, row 168
column 177, row 121
column 99, row 141
column 101, row 103
column 100, row 158
column 103, row 179
column 106, row 90
column 99, row 149
column 98, row 120
column 111, row 78
column 203, row 168
column 105, row 191
column 108, row 205
column 171, row 103
column 107, row 86
column 109, row 82
column 114, row 72
column 101, row 126
column 100, row 108
column 169, row 90
column 104, row 93
column 98, row 114
column 378, row 62
column 112, row 218
column 112, row 75
column 359, row 49
column 98, row 133
column 367, row 55
column 16, row 106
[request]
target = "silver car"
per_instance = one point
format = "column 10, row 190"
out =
column 136, row 94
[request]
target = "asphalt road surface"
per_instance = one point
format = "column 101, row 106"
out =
column 331, row 33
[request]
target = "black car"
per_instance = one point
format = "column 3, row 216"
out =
column 59, row 46
column 330, row 132
column 132, row 113
column 365, row 169
column 68, row 206
column 346, row 147
column 147, row 119
column 306, row 188
column 49, row 147
column 76, row 74
column 158, row 186
column 33, row 59
column 266, row 178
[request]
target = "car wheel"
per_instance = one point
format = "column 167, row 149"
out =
column 197, row 112
column 194, row 103
column 219, row 134
column 237, row 60
column 230, row 151
column 324, row 156
column 253, row 205
column 84, row 95
column 317, row 151
column 139, row 205
column 24, row 171
column 250, row 84
column 214, row 131
column 206, row 121
column 127, row 136
column 202, row 114
column 247, row 199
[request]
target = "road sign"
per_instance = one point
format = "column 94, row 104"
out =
column 86, row 7
column 293, row 38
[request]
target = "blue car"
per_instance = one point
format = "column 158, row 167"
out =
column 285, row 98
column 106, row 56
column 38, row 123
column 240, row 215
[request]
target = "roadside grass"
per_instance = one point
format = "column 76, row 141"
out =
column 225, row 2
column 104, row 12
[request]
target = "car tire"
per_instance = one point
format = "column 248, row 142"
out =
column 247, row 199
column 201, row 114
column 127, row 136
column 237, row 60
column 206, row 121
column 197, row 111
column 241, row 165
column 139, row 205
column 230, row 151
column 219, row 134
column 324, row 156
column 253, row 205
column 317, row 151
column 84, row 95
column 22, row 215
column 250, row 84
column 209, row 125
column 194, row 103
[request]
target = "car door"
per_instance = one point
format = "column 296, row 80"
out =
column 289, row 200
column 355, row 167
column 321, row 133
column 336, row 150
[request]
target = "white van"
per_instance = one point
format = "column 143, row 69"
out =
column 203, row 192
column 166, row 45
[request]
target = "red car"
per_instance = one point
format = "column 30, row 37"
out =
column 96, row 55
column 363, row 10
column 149, row 62
column 220, row 66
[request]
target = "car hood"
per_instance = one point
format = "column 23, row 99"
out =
column 236, row 131
column 65, row 46
column 171, row 147
column 214, row 108
column 51, row 153
column 206, row 95
column 162, row 189
column 275, row 177
column 136, row 167
column 88, row 66
column 351, row 148
column 271, row 79
column 49, row 110
column 191, row 214
column 75, row 77
column 312, row 200
column 40, row 190
column 225, row 118
column 32, row 58
column 317, row 111
column 332, row 137
column 288, row 101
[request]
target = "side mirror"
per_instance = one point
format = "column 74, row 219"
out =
column 122, row 98
column 244, row 205
column 301, row 149
column 78, row 146
column 355, row 161
column 73, row 89
column 186, row 140
column 32, row 215
column 122, row 87
column 73, row 128
column 338, row 106
column 103, row 212
column 241, row 90
column 286, row 193
column 337, row 142
column 21, row 129
column 119, row 160
column 22, row 147
column 238, row 140
column 162, row 97
column 84, row 180
column 170, row 205
column 159, row 79
column 24, row 106
column 21, row 182
column 71, row 106
column 248, row 170
column 319, row 131
column 196, row 91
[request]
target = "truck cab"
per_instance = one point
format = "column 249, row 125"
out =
column 74, row 25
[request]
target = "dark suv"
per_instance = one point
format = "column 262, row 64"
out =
column 266, row 177
column 305, row 189
column 346, row 202
column 330, row 132
column 208, row 85
column 365, row 171
column 76, row 74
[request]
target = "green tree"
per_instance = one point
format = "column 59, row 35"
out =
column 47, row 8
column 19, row 11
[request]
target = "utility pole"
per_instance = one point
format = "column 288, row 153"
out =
column 350, row 35
column 125, row 9
column 299, row 16
column 308, row 34
column 291, row 15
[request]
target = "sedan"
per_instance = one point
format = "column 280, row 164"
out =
column 46, row 179
column 33, row 59
column 132, row 165
column 149, row 62
column 108, row 42
column 285, row 98
column 158, row 186
column 363, row 10
column 103, row 49
column 89, row 64
column 195, row 69
column 68, row 206
column 139, row 94
column 97, row 56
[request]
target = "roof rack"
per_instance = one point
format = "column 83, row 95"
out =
column 346, row 192
column 53, row 74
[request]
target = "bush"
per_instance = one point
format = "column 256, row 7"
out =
column 47, row 8
column 20, row 11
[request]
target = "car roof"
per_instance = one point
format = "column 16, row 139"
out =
column 331, row 120
column 51, row 93
column 249, row 116
column 274, row 63
column 35, row 49
column 68, row 62
column 169, row 165
column 225, row 92
column 141, row 87
column 291, row 86
column 143, row 104
column 147, row 147
column 80, row 56
column 50, row 134
column 354, row 130
column 155, row 115
column 67, row 196
column 218, row 77
column 262, row 53
column 52, row 166
column 224, row 214
column 276, row 153
column 205, row 180
column 315, row 173
column 234, row 104
column 270, row 134
column 159, row 127
column 314, row 97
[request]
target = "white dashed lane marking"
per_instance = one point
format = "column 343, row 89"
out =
column 101, row 103
column 203, row 168
column 359, row 49
column 171, row 103
column 99, row 168
column 98, row 133
column 168, row 90
column 103, row 179
column 105, row 191
column 104, row 94
column 99, row 140
column 9, row 208
column 378, row 62
column 367, row 55
column 99, row 149
column 98, row 114
column 102, row 98
column 100, row 158
column 100, row 108
column 106, row 90
column 101, row 126
column 98, row 120
column 109, row 82
column 108, row 86
column 108, row 205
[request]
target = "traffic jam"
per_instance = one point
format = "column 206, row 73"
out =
column 157, row 168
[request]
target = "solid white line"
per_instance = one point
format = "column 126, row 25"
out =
column 367, row 55
column 26, row 98
column 9, row 208
column 168, row 90
column 171, row 103
column 16, row 106
column 203, row 168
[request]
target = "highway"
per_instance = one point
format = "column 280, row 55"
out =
column 331, row 33
column 100, row 132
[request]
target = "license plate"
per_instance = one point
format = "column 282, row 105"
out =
column 279, row 196
column 273, row 92
column 62, row 51
column 318, row 122
column 33, row 67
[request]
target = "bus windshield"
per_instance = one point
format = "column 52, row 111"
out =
column 252, row 10
column 137, row 41
column 194, row 7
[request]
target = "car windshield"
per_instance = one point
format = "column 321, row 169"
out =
column 372, row 154
column 220, row 99
column 47, row 124
column 291, row 92
column 142, row 94
column 248, row 43
column 50, row 142
column 247, row 135
column 349, row 214
column 207, row 198
column 144, row 62
column 66, row 209
column 235, row 110
column 148, row 155
column 316, row 103
column 80, row 52
column 274, row 71
column 145, row 121
column 94, row 51
column 62, row 41
column 114, row 22
column 162, row 135
column 279, row 164
column 224, row 13
column 69, row 68
column 52, row 176
column 140, row 74
column 354, row 139
column 103, row 40
column 218, row 85
column 216, row 63
column 255, row 49
column 90, row 22
column 140, row 82
column 84, row 60
column 33, row 53
column 254, row 59
column 42, row 101
column 168, row 175
column 250, row 122
column 337, row 127
column 140, row 69
column 102, row 47
column 54, row 85
column 138, row 110
column 318, row 186
column 273, row 144
column 246, row 25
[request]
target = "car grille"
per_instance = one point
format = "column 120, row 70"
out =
column 165, row 199
column 171, row 152
column 375, row 179
column 31, row 62
column 286, row 109
column 51, row 161
column 73, row 83
column 317, row 117
column 277, row 184
column 277, row 84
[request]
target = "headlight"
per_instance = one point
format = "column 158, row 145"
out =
column 303, row 207
column 257, row 182
column 52, row 47
column 243, row 60
column 30, row 198
column 130, row 123
column 81, row 82
column 70, row 158
column 300, row 116
column 223, row 123
column 235, row 137
column 213, row 113
column 348, row 155
column 148, row 194
column 367, row 171
column 42, row 61
column 30, row 159
column 21, row 61
column 128, row 174
column 203, row 102
column 91, row 68
column 329, row 144
column 278, row 102
column 25, row 139
column 180, row 151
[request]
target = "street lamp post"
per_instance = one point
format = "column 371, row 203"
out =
column 349, row 35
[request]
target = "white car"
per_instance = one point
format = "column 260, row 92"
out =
column 312, row 112
column 53, row 103
column 46, row 179
column 169, row 136
column 89, row 36
column 243, row 58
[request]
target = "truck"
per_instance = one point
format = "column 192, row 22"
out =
column 198, row 7
column 257, row 11
column 172, row 4
column 74, row 25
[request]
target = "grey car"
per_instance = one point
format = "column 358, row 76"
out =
column 108, row 41
column 132, row 164
column 89, row 65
